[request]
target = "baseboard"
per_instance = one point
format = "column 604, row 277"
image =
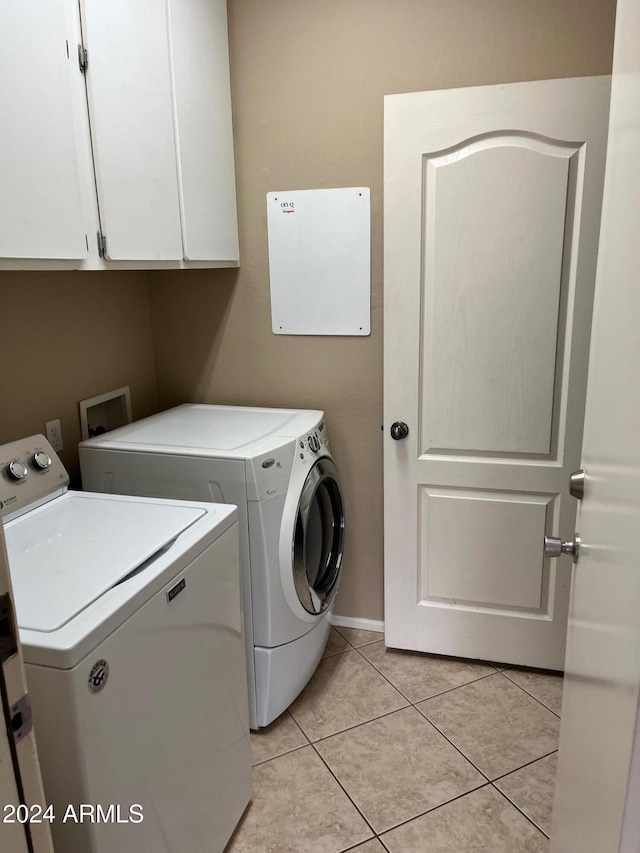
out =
column 354, row 622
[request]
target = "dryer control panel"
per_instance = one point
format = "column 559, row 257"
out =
column 30, row 473
column 314, row 442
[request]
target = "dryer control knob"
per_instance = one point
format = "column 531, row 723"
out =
column 314, row 444
column 17, row 470
column 41, row 460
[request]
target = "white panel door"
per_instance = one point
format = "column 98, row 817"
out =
column 41, row 214
column 492, row 208
column 598, row 782
column 200, row 57
column 131, row 113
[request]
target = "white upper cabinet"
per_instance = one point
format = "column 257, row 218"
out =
column 203, row 128
column 131, row 116
column 41, row 213
column 148, row 166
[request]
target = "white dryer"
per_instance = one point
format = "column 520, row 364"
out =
column 276, row 466
column 129, row 614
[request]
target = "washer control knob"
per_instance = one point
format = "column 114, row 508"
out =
column 41, row 460
column 17, row 470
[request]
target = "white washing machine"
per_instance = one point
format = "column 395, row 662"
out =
column 130, row 619
column 276, row 466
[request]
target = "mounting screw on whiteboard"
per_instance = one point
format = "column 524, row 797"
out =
column 54, row 435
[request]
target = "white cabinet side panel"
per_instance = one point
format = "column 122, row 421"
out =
column 131, row 111
column 320, row 261
column 41, row 214
column 204, row 134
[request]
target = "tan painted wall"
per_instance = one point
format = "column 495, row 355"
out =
column 308, row 79
column 66, row 337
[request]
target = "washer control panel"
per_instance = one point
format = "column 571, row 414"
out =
column 30, row 471
column 315, row 441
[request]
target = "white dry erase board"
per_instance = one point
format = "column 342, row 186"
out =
column 320, row 261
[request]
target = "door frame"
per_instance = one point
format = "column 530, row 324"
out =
column 24, row 754
column 598, row 781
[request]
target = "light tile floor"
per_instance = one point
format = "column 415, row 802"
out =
column 406, row 753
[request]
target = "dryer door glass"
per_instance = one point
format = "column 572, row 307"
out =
column 318, row 539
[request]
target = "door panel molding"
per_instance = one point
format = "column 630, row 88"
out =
column 464, row 311
column 451, row 566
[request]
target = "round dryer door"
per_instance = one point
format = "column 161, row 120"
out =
column 318, row 538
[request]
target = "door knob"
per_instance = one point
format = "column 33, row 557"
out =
column 576, row 484
column 555, row 547
column 399, row 430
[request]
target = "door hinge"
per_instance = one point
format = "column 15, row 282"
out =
column 102, row 244
column 83, row 58
column 8, row 638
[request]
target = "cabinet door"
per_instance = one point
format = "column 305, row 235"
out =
column 200, row 65
column 131, row 113
column 41, row 214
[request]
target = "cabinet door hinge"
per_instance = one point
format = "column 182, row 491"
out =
column 83, row 58
column 102, row 244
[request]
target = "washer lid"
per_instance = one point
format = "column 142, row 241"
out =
column 66, row 554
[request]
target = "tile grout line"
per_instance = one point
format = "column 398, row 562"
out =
column 388, row 714
column 488, row 778
column 355, row 846
column 412, row 704
column 433, row 655
column 310, row 743
column 346, row 793
column 457, row 748
column 357, row 725
column 280, row 755
column 486, row 781
column 431, row 723
column 518, row 809
column 488, row 784
column 340, row 731
column 299, row 726
column 335, row 628
column 288, row 751
column 522, row 766
column 333, row 775
column 333, row 654
column 539, row 701
column 433, row 809
column 424, row 716
column 406, row 698
column 426, row 698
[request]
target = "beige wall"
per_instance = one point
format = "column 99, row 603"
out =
column 308, row 80
column 67, row 336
